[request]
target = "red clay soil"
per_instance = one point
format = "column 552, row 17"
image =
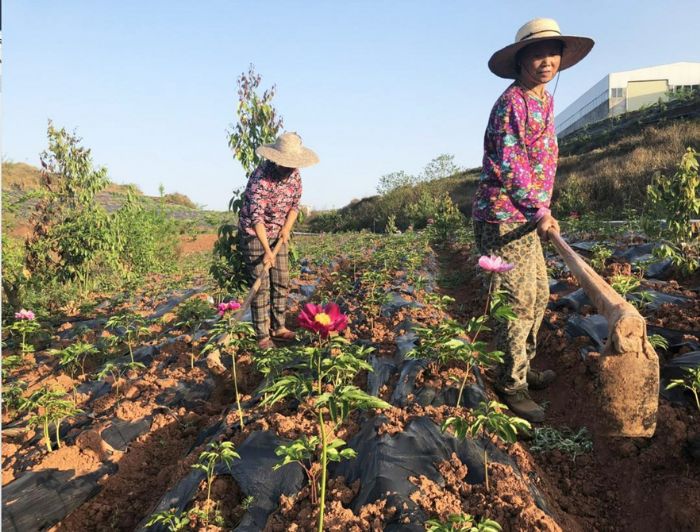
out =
column 200, row 243
column 629, row 484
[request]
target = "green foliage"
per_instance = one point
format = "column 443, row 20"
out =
column 489, row 419
column 110, row 368
column 15, row 277
column 658, row 342
column 677, row 200
column 228, row 266
column 440, row 167
column 129, row 327
column 395, row 180
column 690, row 382
column 217, row 452
column 562, row 439
column 391, row 228
column 73, row 357
column 231, row 336
column 70, row 229
column 25, row 328
column 173, row 520
column 624, row 284
column 258, row 122
column 191, row 314
column 48, row 406
column 462, row 523
column 601, row 253
column 447, row 222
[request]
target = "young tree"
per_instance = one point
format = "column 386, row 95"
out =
column 442, row 166
column 393, row 180
column 258, row 123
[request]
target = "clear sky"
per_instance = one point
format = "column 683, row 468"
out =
column 372, row 86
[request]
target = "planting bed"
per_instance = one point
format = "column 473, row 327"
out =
column 128, row 457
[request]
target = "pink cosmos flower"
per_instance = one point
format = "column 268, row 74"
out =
column 24, row 315
column 223, row 308
column 322, row 320
column 494, row 264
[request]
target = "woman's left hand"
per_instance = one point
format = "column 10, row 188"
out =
column 284, row 236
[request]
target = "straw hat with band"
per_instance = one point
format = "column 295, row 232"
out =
column 287, row 151
column 503, row 62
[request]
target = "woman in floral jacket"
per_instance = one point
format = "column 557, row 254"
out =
column 269, row 211
column 511, row 205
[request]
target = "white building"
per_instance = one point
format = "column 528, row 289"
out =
column 620, row 92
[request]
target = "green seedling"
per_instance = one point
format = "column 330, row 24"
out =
column 73, row 357
column 624, row 284
column 658, row 342
column 562, row 439
column 191, row 315
column 173, row 520
column 133, row 327
column 690, row 382
column 231, row 336
column 491, row 421
column 323, row 379
column 46, row 407
column 216, row 452
column 462, row 523
column 25, row 327
column 110, row 368
column 601, row 253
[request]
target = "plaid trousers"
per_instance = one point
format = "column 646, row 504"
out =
column 274, row 287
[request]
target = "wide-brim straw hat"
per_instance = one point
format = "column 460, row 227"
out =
column 287, row 151
column 502, row 63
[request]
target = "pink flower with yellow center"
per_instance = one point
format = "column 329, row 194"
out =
column 323, row 320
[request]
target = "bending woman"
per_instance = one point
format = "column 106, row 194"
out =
column 270, row 208
column 511, row 205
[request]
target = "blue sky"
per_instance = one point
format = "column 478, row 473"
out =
column 372, row 86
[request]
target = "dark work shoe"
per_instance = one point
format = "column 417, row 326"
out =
column 522, row 405
column 539, row 380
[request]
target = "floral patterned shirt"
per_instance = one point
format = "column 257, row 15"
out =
column 268, row 200
column 520, row 158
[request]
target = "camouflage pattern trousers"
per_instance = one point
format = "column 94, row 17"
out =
column 527, row 292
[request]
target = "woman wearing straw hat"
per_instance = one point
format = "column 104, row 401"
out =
column 511, row 204
column 269, row 210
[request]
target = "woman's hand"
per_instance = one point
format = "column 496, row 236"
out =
column 546, row 223
column 284, row 236
column 268, row 258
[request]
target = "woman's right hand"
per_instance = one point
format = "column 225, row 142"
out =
column 546, row 223
column 268, row 258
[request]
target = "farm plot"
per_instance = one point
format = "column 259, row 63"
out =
column 382, row 416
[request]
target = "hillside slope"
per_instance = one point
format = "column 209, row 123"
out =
column 603, row 169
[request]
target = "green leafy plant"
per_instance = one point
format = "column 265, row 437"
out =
column 190, row 315
column 690, row 382
column 624, row 284
column 462, row 523
column 676, row 199
column 46, row 407
column 658, row 342
column 217, row 452
column 73, row 357
column 25, row 327
column 601, row 253
column 561, row 439
column 323, row 380
column 110, row 368
column 489, row 420
column 173, row 520
column 232, row 337
column 129, row 327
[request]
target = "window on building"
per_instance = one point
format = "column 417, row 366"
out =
column 616, row 93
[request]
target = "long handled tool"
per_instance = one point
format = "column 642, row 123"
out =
column 629, row 366
column 214, row 357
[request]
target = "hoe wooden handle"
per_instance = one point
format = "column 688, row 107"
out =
column 628, row 378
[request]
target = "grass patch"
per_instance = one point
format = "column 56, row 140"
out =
column 563, row 439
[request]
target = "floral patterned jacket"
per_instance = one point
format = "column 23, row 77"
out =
column 520, row 158
column 268, row 200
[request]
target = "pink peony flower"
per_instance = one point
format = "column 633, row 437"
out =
column 24, row 315
column 494, row 264
column 322, row 320
column 223, row 308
